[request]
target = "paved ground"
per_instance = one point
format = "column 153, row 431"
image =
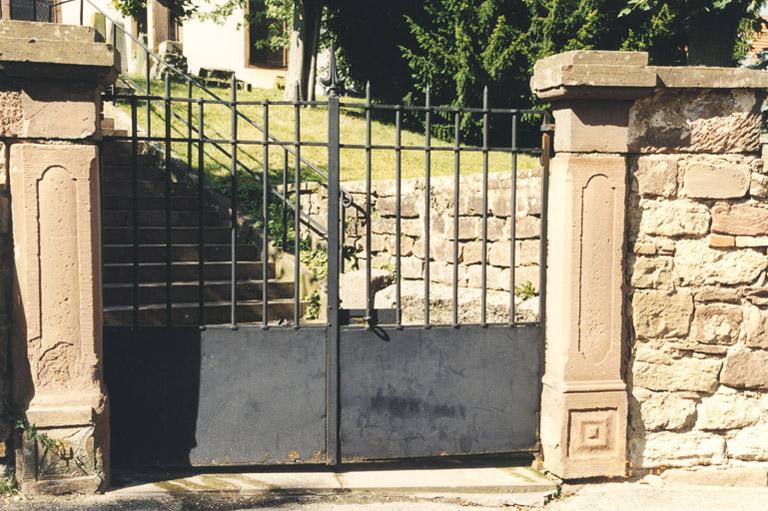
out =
column 593, row 497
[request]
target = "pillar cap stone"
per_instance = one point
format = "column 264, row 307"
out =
column 597, row 74
column 49, row 50
column 593, row 74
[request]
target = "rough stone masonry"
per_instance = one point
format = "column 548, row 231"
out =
column 697, row 283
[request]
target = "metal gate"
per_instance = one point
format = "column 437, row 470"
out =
column 210, row 357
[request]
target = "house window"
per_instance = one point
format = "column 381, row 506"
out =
column 258, row 32
column 33, row 10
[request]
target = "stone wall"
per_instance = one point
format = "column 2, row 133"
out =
column 696, row 282
column 412, row 204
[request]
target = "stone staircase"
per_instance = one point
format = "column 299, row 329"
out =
column 118, row 233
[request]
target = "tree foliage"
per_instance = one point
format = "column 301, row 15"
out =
column 179, row 9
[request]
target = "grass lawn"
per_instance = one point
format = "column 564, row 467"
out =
column 314, row 128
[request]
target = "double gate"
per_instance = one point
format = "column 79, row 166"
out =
column 211, row 358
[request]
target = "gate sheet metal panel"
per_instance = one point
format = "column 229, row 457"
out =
column 418, row 392
column 262, row 397
column 186, row 397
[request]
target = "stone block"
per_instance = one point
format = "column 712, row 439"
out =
column 673, row 449
column 664, row 411
column 675, row 374
column 406, row 245
column 499, row 254
column 587, row 126
column 352, row 285
column 716, row 177
column 746, row 369
column 719, row 476
column 526, row 227
column 652, row 272
column 721, row 241
column 696, row 121
column 716, row 323
column 656, row 175
column 412, row 268
column 740, row 219
column 750, row 241
column 717, row 294
column 387, row 206
column 750, row 444
column 697, row 264
column 673, row 218
column 727, row 411
column 755, row 326
column 758, row 186
column 659, row 314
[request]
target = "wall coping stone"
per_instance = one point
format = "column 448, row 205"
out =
column 596, row 74
column 35, row 50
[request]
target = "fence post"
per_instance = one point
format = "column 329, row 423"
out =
column 334, row 330
column 52, row 110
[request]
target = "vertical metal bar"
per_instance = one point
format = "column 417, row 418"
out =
column 398, row 226
column 233, row 200
column 297, row 211
column 168, row 241
column 334, row 330
column 484, row 277
column 201, row 210
column 513, row 225
column 113, row 87
column 546, row 151
column 368, row 178
column 342, row 232
column 135, row 207
column 189, row 125
column 284, row 223
column 265, row 222
column 456, row 196
column 427, row 200
column 34, row 10
column 148, row 77
column 82, row 13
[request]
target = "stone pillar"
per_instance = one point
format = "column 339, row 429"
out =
column 158, row 18
column 51, row 77
column 584, row 399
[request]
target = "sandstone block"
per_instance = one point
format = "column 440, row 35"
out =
column 758, row 187
column 746, row 369
column 656, row 175
column 352, row 287
column 526, row 227
column 751, row 241
column 716, row 324
column 412, row 268
column 678, row 449
column 652, row 272
column 387, row 206
column 406, row 245
column 676, row 374
column 719, row 476
column 727, row 411
column 667, row 411
column 696, row 121
column 721, row 241
column 717, row 294
column 645, row 248
column 750, row 444
column 499, row 254
column 697, row 264
column 740, row 219
column 660, row 314
column 673, row 218
column 755, row 326
column 716, row 177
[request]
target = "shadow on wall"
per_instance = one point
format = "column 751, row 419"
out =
column 153, row 379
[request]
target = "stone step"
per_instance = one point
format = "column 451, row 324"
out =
column 123, row 253
column 187, row 292
column 216, row 313
column 179, row 203
column 157, row 218
column 124, row 172
column 184, row 271
column 145, row 188
column 152, row 235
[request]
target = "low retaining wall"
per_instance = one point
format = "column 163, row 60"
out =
column 412, row 209
column 697, row 288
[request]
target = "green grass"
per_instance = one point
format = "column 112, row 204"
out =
column 314, row 128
